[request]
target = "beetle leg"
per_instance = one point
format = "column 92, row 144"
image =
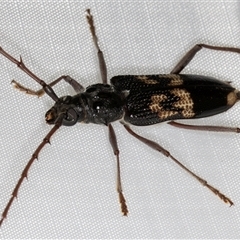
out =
column 76, row 86
column 102, row 64
column 205, row 128
column 47, row 89
column 158, row 148
column 113, row 141
column 192, row 52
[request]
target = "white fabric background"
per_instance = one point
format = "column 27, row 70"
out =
column 70, row 192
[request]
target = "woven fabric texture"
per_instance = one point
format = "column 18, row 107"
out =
column 71, row 190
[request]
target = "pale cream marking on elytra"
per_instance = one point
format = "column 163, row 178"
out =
column 175, row 80
column 146, row 79
column 184, row 104
column 232, row 98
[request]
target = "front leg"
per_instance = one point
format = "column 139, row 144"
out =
column 47, row 88
column 76, row 86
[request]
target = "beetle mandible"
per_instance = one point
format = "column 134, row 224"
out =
column 138, row 100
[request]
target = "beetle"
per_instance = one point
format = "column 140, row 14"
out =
column 134, row 100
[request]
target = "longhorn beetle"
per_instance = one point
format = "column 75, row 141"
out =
column 138, row 100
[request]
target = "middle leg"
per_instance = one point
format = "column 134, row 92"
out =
column 102, row 64
column 113, row 141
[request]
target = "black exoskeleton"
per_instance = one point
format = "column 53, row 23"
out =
column 99, row 104
column 138, row 100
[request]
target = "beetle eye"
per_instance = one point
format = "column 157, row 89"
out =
column 71, row 118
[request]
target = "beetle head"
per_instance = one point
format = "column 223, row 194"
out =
column 64, row 106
